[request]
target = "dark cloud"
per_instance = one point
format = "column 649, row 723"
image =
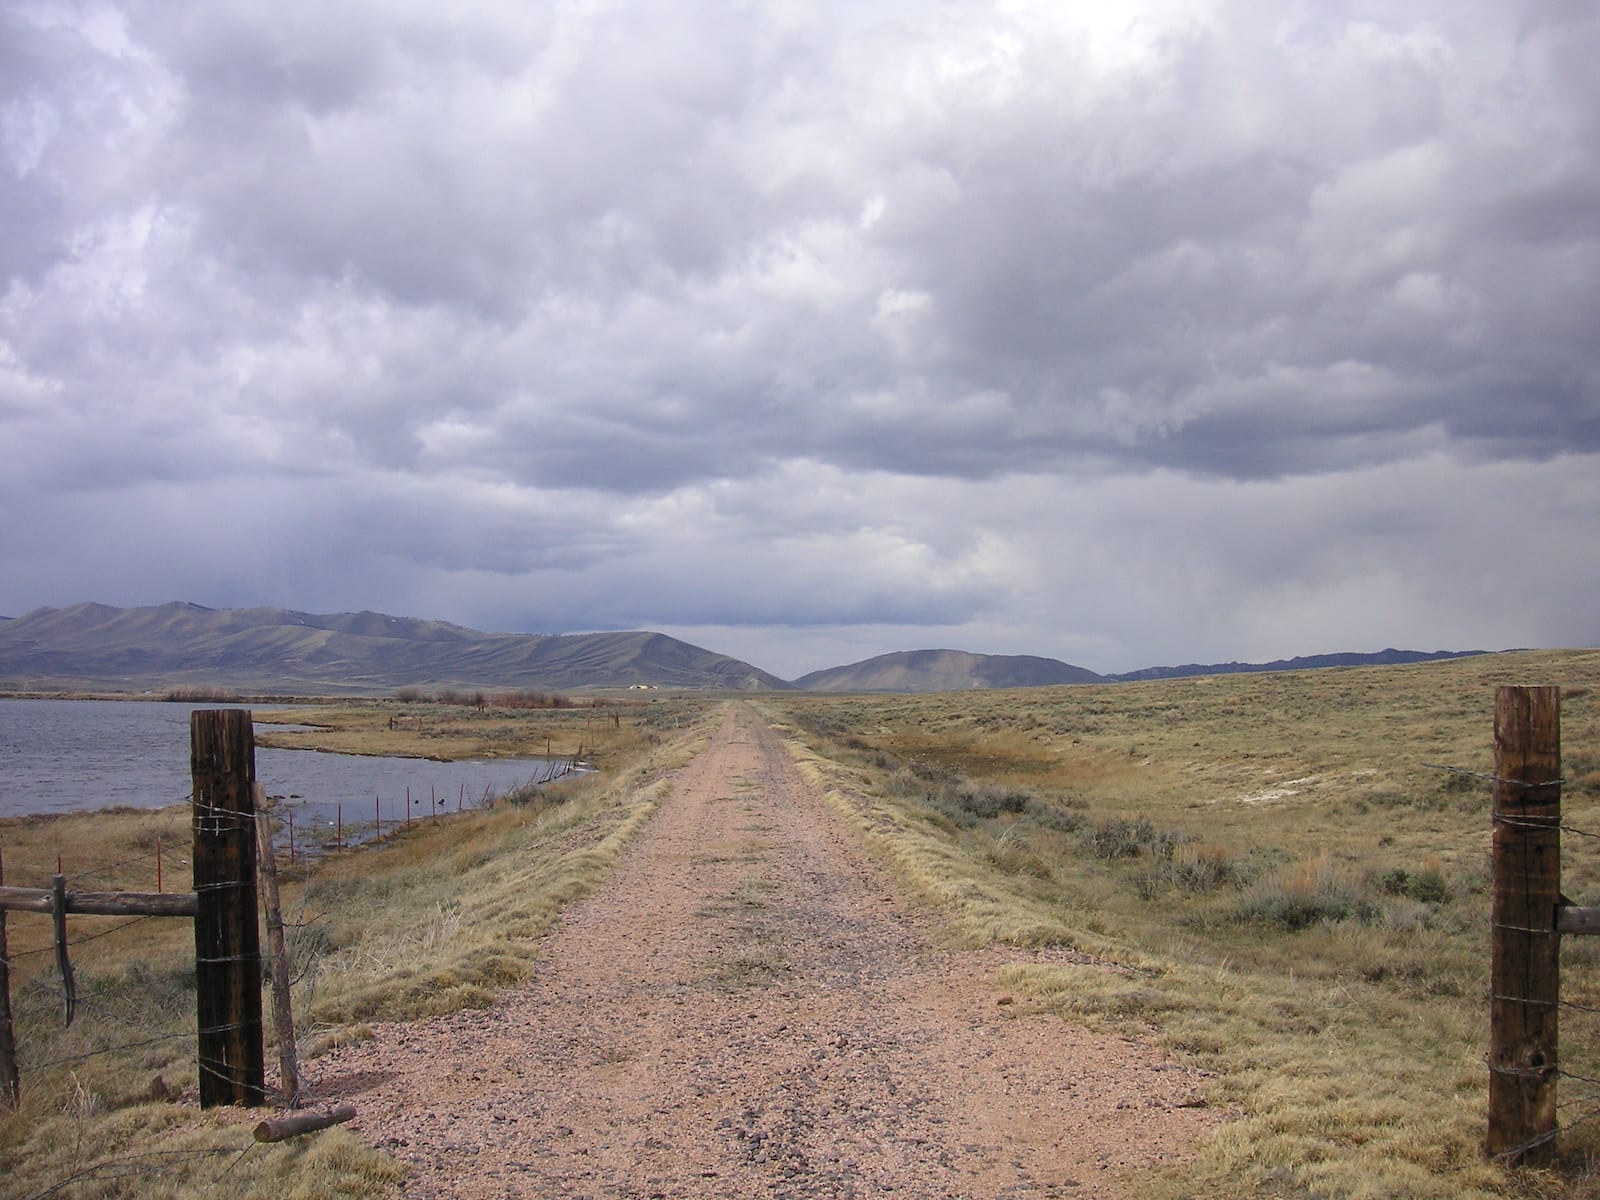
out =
column 818, row 322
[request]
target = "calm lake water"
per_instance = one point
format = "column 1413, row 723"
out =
column 70, row 755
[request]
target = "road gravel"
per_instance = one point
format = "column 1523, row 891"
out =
column 747, row 1007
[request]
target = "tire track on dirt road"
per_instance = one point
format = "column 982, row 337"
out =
column 745, row 1008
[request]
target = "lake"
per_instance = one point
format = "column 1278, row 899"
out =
column 70, row 755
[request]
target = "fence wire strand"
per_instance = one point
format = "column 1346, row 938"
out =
column 147, row 856
column 16, row 954
column 1492, row 778
column 99, row 1050
column 157, row 1160
column 94, row 937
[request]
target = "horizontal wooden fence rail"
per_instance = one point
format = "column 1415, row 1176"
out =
column 102, row 904
column 1570, row 918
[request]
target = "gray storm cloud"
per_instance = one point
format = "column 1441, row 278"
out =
column 799, row 324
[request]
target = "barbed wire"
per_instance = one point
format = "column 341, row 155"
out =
column 79, row 873
column 33, row 1012
column 103, row 868
column 249, row 1146
column 1491, row 778
column 1544, row 1139
column 110, row 1014
column 76, row 941
column 1576, row 1078
column 99, row 1050
column 94, row 937
column 207, row 1068
column 1534, row 822
column 13, row 955
column 227, row 885
column 128, row 1161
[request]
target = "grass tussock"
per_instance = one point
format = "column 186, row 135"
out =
column 1287, row 892
column 431, row 920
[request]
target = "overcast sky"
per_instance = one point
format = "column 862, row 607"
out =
column 1127, row 334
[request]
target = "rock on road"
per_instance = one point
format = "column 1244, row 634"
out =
column 746, row 1008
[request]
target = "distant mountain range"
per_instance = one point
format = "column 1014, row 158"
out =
column 93, row 647
column 273, row 650
column 956, row 670
column 1382, row 658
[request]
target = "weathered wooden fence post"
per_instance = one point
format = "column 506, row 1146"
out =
column 227, row 941
column 1524, row 969
column 277, row 959
column 10, row 1081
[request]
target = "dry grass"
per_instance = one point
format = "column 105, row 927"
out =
column 1297, row 900
column 440, row 919
column 600, row 731
column 430, row 921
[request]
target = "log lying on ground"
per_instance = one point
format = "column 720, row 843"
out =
column 276, row 1129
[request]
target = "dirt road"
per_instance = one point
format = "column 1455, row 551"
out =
column 746, row 1008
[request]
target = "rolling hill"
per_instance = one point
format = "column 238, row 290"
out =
column 944, row 671
column 95, row 647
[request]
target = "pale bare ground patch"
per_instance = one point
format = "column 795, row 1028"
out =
column 747, row 1006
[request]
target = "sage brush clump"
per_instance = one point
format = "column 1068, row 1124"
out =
column 1195, row 869
column 1124, row 838
column 1312, row 892
column 1426, row 886
column 959, row 801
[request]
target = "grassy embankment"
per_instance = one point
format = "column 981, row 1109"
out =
column 1282, row 888
column 501, row 726
column 434, row 919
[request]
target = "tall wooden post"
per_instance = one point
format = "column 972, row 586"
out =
column 278, row 960
column 10, row 1081
column 1524, row 969
column 227, row 942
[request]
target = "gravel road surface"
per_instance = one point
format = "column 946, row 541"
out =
column 747, row 1008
